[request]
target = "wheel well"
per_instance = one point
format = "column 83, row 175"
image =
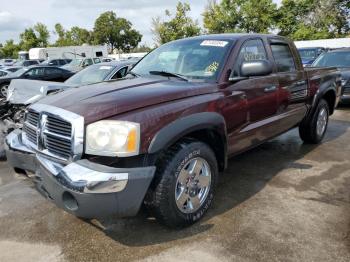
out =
column 215, row 141
column 330, row 98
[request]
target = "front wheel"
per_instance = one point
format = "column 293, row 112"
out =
column 185, row 182
column 314, row 129
column 3, row 90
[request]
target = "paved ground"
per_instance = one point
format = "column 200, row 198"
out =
column 283, row 201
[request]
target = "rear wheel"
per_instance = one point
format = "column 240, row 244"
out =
column 314, row 129
column 185, row 182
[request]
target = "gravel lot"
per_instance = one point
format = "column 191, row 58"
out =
column 283, row 201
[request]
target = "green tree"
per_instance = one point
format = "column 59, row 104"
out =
column 9, row 49
column 63, row 36
column 42, row 34
column 80, row 36
column 28, row 39
column 314, row 19
column 116, row 32
column 240, row 16
column 223, row 17
column 177, row 27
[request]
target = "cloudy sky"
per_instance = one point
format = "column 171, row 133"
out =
column 15, row 15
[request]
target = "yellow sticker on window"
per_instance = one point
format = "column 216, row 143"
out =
column 211, row 69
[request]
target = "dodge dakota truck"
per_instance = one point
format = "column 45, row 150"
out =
column 161, row 136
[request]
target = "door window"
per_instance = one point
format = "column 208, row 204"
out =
column 35, row 72
column 121, row 73
column 52, row 71
column 251, row 50
column 283, row 57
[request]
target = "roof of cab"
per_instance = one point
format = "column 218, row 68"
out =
column 233, row 36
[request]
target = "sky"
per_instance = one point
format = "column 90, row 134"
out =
column 16, row 15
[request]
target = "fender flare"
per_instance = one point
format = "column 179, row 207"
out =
column 324, row 88
column 181, row 127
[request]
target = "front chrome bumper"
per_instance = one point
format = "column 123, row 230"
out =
column 82, row 188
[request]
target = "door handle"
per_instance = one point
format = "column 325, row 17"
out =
column 270, row 89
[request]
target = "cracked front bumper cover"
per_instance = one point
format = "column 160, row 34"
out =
column 83, row 188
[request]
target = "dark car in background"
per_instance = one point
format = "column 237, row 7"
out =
column 56, row 62
column 309, row 55
column 339, row 58
column 46, row 73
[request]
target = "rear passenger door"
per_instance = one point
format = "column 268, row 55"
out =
column 293, row 85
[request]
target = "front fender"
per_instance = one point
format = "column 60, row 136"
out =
column 181, row 127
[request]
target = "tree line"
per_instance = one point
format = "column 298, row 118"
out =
column 296, row 19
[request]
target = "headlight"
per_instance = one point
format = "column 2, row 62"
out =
column 113, row 138
column 9, row 93
column 343, row 82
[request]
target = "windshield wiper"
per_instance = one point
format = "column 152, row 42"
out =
column 165, row 73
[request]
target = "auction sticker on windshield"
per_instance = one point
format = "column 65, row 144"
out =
column 215, row 43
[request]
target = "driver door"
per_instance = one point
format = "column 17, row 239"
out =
column 260, row 96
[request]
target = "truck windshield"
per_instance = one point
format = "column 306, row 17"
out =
column 191, row 58
column 336, row 59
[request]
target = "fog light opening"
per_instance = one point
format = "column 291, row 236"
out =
column 69, row 201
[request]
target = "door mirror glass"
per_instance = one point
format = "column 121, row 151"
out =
column 256, row 68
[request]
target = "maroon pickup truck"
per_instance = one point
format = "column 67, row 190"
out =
column 161, row 136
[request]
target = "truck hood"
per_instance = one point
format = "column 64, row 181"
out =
column 25, row 92
column 104, row 100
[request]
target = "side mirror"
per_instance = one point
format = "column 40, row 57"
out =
column 256, row 68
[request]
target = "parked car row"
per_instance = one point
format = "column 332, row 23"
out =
column 339, row 58
column 161, row 134
column 24, row 91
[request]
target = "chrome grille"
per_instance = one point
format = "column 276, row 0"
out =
column 31, row 134
column 58, row 136
column 59, row 126
column 32, row 118
column 54, row 132
column 58, row 146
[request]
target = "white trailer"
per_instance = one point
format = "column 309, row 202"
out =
column 68, row 52
column 326, row 43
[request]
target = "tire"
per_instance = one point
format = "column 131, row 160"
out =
column 3, row 90
column 175, row 167
column 313, row 129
